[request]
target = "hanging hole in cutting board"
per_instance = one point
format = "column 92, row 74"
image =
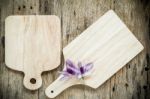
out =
column 33, row 80
column 52, row 91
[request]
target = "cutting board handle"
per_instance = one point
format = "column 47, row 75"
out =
column 60, row 85
column 32, row 82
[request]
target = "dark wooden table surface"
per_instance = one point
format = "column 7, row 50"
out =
column 131, row 82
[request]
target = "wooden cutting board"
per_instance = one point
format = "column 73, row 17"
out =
column 107, row 43
column 33, row 45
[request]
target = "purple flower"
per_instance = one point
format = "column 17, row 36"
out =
column 79, row 71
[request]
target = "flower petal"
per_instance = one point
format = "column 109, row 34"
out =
column 69, row 63
column 82, row 70
column 65, row 75
column 87, row 73
column 72, row 70
column 88, row 67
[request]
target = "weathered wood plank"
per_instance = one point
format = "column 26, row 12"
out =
column 133, row 79
column 7, row 90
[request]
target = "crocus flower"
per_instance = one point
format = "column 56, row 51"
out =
column 79, row 71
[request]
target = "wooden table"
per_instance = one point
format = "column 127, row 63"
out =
column 131, row 82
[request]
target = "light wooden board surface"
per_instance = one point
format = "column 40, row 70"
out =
column 107, row 43
column 32, row 45
column 131, row 82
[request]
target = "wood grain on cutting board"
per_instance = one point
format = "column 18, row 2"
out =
column 107, row 43
column 32, row 45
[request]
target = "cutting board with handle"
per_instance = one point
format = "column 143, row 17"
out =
column 32, row 45
column 107, row 43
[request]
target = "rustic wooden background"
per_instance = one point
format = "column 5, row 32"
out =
column 131, row 82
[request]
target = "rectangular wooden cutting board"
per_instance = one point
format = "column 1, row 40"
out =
column 32, row 45
column 107, row 43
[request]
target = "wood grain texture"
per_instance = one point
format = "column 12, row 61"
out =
column 32, row 45
column 131, row 82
